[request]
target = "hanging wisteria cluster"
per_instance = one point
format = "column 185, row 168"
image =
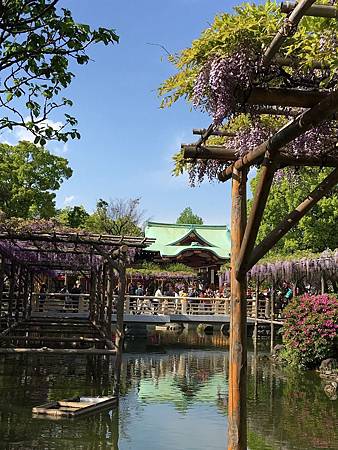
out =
column 308, row 269
column 320, row 141
column 221, row 79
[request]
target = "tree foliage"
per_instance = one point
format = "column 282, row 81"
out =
column 118, row 217
column 38, row 44
column 317, row 230
column 29, row 175
column 74, row 217
column 188, row 217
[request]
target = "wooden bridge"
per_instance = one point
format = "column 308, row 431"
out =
column 157, row 310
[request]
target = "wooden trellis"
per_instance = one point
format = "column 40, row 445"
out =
column 270, row 157
column 25, row 253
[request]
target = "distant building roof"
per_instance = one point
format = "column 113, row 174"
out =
column 192, row 244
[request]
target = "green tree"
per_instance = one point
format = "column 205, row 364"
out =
column 28, row 176
column 74, row 217
column 118, row 217
column 317, row 230
column 188, row 217
column 38, row 41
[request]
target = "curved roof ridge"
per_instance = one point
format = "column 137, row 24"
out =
column 182, row 225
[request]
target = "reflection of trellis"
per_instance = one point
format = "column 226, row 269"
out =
column 24, row 252
column 270, row 157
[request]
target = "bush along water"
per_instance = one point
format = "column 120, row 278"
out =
column 310, row 332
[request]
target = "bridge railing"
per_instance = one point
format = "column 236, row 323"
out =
column 60, row 303
column 165, row 305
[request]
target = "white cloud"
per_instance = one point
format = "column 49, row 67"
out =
column 22, row 134
column 69, row 199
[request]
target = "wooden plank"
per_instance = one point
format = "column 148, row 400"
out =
column 74, row 404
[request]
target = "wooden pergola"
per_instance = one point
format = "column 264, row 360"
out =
column 102, row 259
column 309, row 109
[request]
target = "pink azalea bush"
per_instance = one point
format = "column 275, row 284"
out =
column 311, row 329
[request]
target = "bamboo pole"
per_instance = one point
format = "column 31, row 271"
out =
column 237, row 433
column 285, row 135
column 289, row 26
column 327, row 11
column 293, row 218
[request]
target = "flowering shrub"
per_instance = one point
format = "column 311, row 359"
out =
column 311, row 329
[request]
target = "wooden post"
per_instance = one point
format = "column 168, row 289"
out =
column 92, row 298
column 104, row 294
column 11, row 292
column 98, row 296
column 256, row 310
column 19, row 299
column 119, row 327
column 272, row 314
column 31, row 292
column 2, row 279
column 322, row 284
column 110, row 290
column 25, row 294
column 237, row 433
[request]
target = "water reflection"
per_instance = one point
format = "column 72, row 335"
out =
column 171, row 399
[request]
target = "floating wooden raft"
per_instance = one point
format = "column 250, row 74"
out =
column 75, row 406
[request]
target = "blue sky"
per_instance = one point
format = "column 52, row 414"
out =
column 127, row 140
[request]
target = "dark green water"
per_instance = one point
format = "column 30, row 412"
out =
column 171, row 400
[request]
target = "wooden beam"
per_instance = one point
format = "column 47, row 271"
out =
column 295, row 98
column 220, row 153
column 293, row 62
column 206, row 152
column 237, row 412
column 77, row 238
column 202, row 131
column 287, row 29
column 262, row 191
column 292, row 219
column 309, row 119
column 330, row 12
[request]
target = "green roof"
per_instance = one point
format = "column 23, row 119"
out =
column 174, row 239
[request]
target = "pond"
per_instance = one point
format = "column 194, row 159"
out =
column 174, row 395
